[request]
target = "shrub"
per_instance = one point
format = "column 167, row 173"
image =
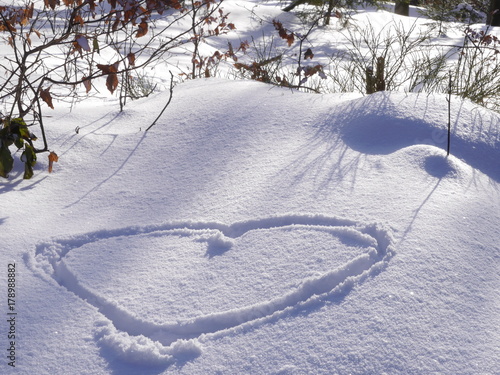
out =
column 61, row 49
column 477, row 72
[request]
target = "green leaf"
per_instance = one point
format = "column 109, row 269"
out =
column 18, row 121
column 29, row 158
column 19, row 142
column 18, row 126
column 8, row 141
column 23, row 132
column 28, row 171
column 4, row 132
column 6, row 161
column 96, row 45
column 29, row 155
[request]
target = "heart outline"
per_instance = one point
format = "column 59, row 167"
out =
column 48, row 260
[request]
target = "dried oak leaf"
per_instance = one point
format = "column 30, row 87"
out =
column 112, row 82
column 51, row 3
column 46, row 97
column 131, row 58
column 52, row 158
column 110, row 71
column 309, row 54
column 142, row 30
column 283, row 33
column 86, row 82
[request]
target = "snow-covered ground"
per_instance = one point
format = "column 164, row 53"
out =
column 257, row 230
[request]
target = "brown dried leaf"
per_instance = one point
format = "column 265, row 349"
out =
column 79, row 19
column 25, row 20
column 87, row 84
column 52, row 3
column 117, row 22
column 108, row 69
column 7, row 26
column 283, row 33
column 309, row 54
column 91, row 4
column 46, row 97
column 176, row 4
column 76, row 48
column 52, row 158
column 142, row 30
column 112, row 82
column 29, row 12
column 131, row 58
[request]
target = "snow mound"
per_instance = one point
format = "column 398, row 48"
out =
column 141, row 350
column 386, row 122
column 436, row 163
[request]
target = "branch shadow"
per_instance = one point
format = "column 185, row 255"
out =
column 117, row 170
column 417, row 211
column 324, row 159
column 83, row 136
column 15, row 182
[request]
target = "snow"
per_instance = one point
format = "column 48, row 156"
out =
column 258, row 230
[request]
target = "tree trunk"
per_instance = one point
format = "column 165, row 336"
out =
column 293, row 5
column 375, row 81
column 402, row 7
column 494, row 13
column 331, row 4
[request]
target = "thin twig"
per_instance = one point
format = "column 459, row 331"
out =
column 168, row 102
column 448, row 99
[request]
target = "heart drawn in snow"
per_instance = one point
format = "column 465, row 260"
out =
column 162, row 286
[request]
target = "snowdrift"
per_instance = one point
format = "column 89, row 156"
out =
column 260, row 230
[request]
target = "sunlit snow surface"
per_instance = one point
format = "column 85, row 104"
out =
column 233, row 228
column 258, row 230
